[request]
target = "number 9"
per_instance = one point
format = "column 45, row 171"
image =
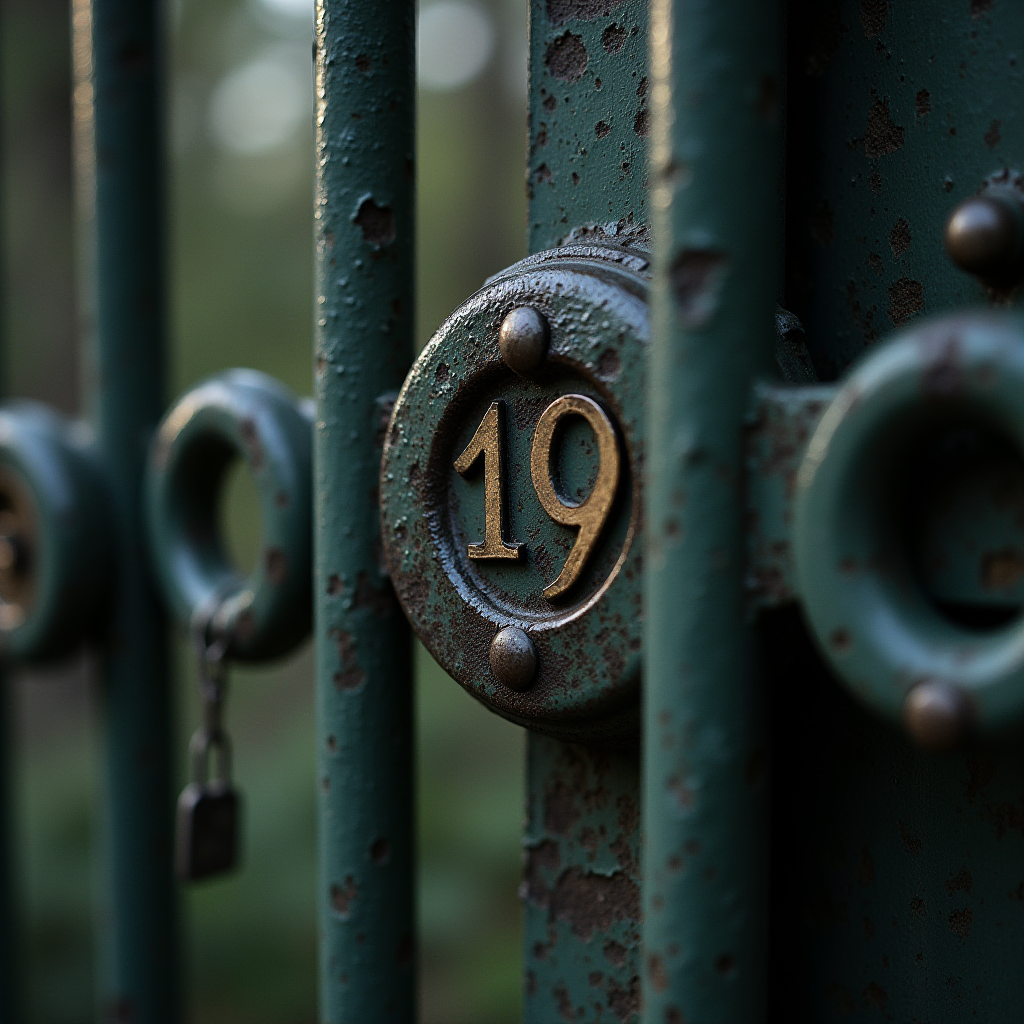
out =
column 592, row 513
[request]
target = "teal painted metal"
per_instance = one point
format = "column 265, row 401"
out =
column 715, row 159
column 587, row 641
column 588, row 122
column 588, row 109
column 365, row 227
column 240, row 414
column 53, row 492
column 862, row 592
column 895, row 871
column 119, row 60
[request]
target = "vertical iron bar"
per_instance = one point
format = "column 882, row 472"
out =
column 588, row 110
column 119, row 128
column 365, row 237
column 716, row 82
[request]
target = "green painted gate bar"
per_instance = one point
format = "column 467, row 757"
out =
column 716, row 132
column 586, row 179
column 365, row 238
column 119, row 128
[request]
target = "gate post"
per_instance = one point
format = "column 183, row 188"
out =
column 715, row 197
column 119, row 138
column 365, row 244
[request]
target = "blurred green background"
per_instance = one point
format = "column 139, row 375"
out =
column 240, row 140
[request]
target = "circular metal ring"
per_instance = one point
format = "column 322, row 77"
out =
column 862, row 594
column 56, row 555
column 248, row 415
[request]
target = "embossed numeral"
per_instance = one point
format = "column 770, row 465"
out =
column 588, row 517
column 488, row 444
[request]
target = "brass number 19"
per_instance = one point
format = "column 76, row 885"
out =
column 489, row 442
column 588, row 517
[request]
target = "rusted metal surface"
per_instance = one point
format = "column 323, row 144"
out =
column 589, row 101
column 587, row 636
column 581, row 888
column 895, row 871
column 365, row 235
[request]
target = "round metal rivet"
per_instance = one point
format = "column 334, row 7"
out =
column 523, row 339
column 984, row 237
column 937, row 715
column 513, row 658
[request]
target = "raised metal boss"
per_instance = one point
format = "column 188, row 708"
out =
column 510, row 492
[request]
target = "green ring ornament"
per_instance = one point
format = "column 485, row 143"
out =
column 57, row 578
column 861, row 593
column 238, row 414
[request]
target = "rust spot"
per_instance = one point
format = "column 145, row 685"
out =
column 544, row 856
column 684, row 794
column 550, row 103
column 566, row 58
column 624, row 1002
column 872, row 16
column 994, row 134
column 613, row 38
column 1001, row 570
column 656, row 973
column 609, row 366
column 841, row 641
column 363, row 63
column 875, row 182
column 917, row 907
column 561, row 11
column 615, row 953
column 883, row 136
column 979, row 8
column 923, row 103
column 441, row 374
column 281, row 499
column 899, row 238
column 543, row 173
column 875, row 262
column 380, row 852
column 342, row 897
column 335, row 588
column 565, row 1010
column 602, row 129
column 960, row 921
column 380, row 601
column 641, row 123
column 121, row 1011
column 276, row 564
column 560, row 810
column 592, row 903
column 351, row 677
column 673, row 1015
column 251, row 441
column 906, row 299
column 725, row 964
column 911, row 842
column 876, row 995
column 376, row 222
column 697, row 277
column 960, row 882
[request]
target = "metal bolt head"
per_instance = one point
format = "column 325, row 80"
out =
column 513, row 658
column 938, row 715
column 985, row 237
column 523, row 339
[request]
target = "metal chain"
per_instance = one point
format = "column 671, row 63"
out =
column 211, row 672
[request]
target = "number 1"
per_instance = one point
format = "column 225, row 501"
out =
column 489, row 442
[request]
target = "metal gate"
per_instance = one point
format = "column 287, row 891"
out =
column 719, row 494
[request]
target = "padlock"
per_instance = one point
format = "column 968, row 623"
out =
column 206, row 843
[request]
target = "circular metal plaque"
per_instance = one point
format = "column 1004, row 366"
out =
column 510, row 493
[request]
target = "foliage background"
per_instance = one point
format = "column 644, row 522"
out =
column 241, row 227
